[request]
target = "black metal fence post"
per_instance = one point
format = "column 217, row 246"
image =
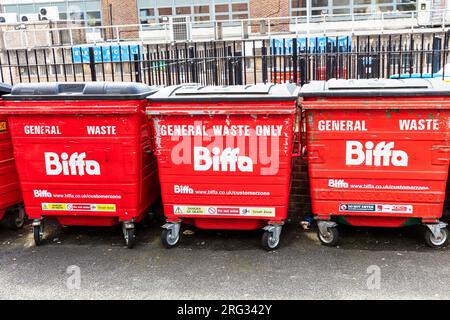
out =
column 264, row 63
column 193, row 65
column 229, row 67
column 294, row 60
column 137, row 68
column 92, row 64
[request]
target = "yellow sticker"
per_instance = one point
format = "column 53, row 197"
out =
column 2, row 126
column 105, row 207
column 263, row 212
column 224, row 211
column 78, row 207
column 54, row 206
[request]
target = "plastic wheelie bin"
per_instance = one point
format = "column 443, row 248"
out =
column 12, row 213
column 82, row 153
column 378, row 154
column 224, row 157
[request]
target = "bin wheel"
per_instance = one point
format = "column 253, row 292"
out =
column 330, row 238
column 435, row 242
column 129, row 237
column 38, row 233
column 169, row 240
column 16, row 218
column 268, row 242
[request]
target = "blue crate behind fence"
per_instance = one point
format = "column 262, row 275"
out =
column 314, row 44
column 107, row 53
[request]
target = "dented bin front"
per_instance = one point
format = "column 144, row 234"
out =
column 82, row 151
column 377, row 150
column 9, row 182
column 224, row 153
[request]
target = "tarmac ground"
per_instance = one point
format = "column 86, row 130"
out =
column 93, row 263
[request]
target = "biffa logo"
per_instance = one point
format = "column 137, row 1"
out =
column 228, row 160
column 381, row 154
column 76, row 165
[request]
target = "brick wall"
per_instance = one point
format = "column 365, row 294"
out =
column 300, row 201
column 123, row 12
column 271, row 9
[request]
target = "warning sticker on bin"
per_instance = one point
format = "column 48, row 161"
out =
column 385, row 208
column 2, row 126
column 78, row 207
column 228, row 210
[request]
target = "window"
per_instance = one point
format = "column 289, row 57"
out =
column 239, row 7
column 88, row 11
column 183, row 10
column 241, row 16
column 340, row 3
column 346, row 7
column 147, row 16
column 298, row 8
column 222, row 17
column 319, row 3
column 340, row 8
column 94, row 15
column 201, row 13
column 222, row 8
column 299, row 13
column 94, row 18
column 319, row 12
column 320, row 7
column 386, row 8
column 201, row 9
column 361, row 10
column 298, row 4
column 164, row 11
column 341, row 11
column 362, row 7
column 201, row 18
column 94, row 23
column 239, row 11
column 77, row 16
column 198, row 10
column 233, row 11
column 406, row 5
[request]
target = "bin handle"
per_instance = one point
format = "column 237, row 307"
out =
column 150, row 147
column 297, row 134
column 301, row 146
column 304, row 145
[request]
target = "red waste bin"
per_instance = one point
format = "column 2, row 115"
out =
column 82, row 153
column 224, row 157
column 378, row 154
column 11, row 209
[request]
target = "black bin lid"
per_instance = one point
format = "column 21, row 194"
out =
column 375, row 88
column 4, row 88
column 197, row 92
column 80, row 91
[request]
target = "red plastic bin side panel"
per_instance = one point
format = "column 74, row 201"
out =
column 378, row 163
column 224, row 171
column 85, row 167
column 10, row 194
